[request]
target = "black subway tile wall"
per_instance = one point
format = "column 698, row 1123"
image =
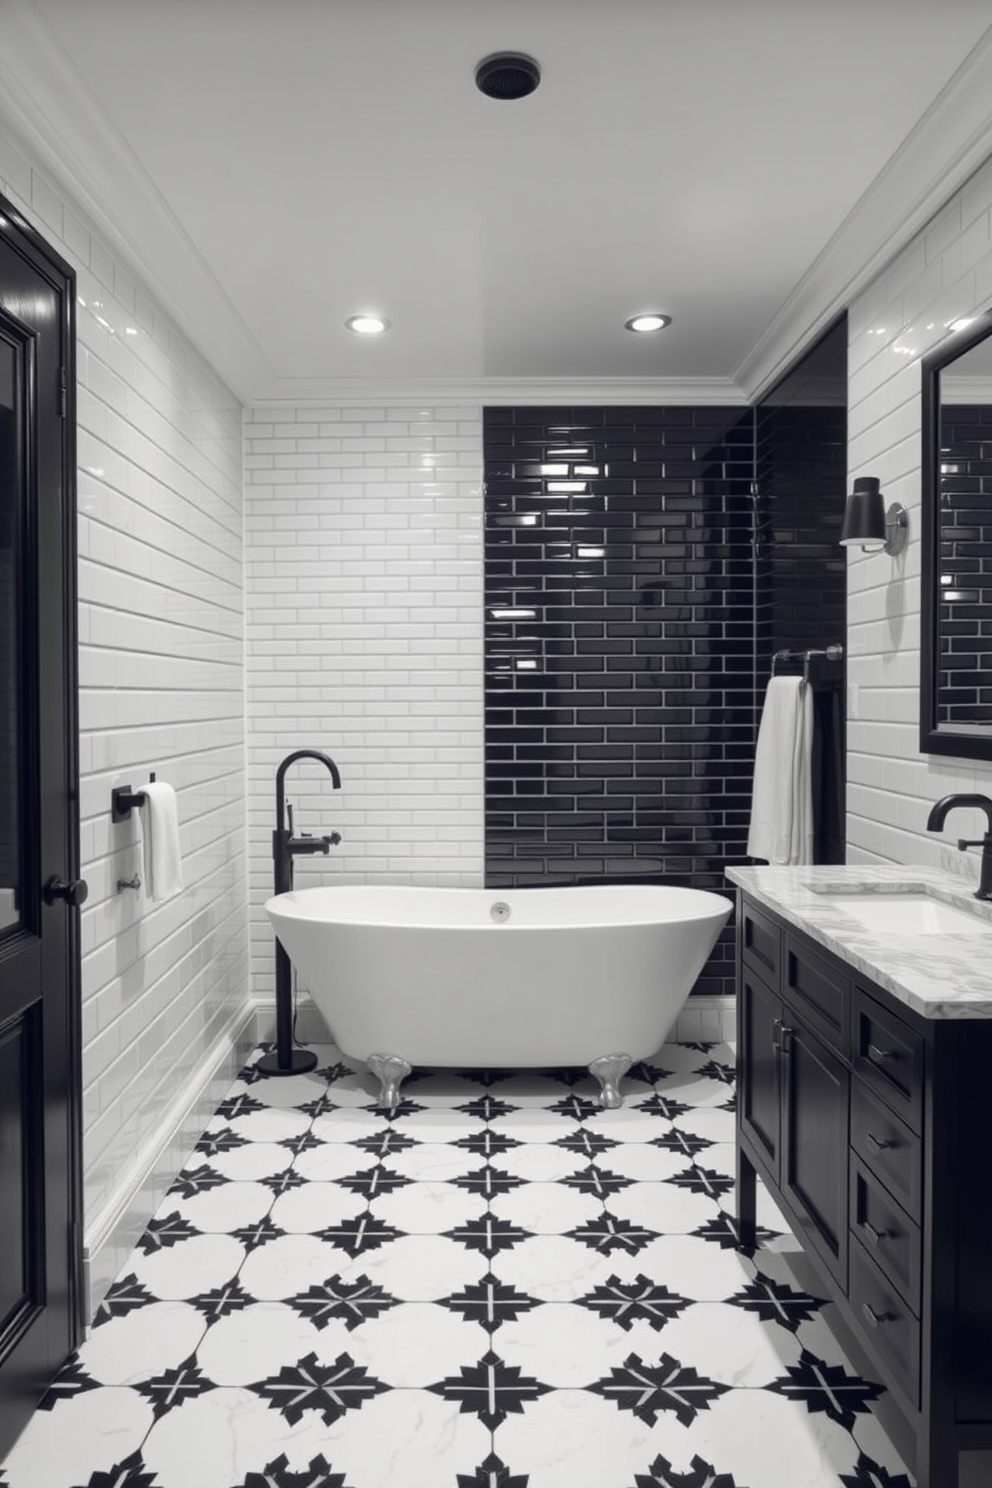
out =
column 620, row 613
column 965, row 571
column 801, row 580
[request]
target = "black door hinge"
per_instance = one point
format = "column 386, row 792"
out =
column 63, row 392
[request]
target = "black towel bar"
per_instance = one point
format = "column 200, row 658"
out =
column 123, row 801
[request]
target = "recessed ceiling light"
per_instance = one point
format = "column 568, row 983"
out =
column 367, row 325
column 651, row 320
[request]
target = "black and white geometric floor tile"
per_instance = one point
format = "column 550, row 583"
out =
column 498, row 1285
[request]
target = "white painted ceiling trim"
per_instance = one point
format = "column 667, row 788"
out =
column 63, row 126
column 948, row 144
column 503, row 391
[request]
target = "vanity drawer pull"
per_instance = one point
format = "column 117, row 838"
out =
column 873, row 1235
column 879, row 1056
column 876, row 1144
column 874, row 1318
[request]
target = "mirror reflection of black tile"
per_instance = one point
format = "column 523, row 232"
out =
column 548, row 1297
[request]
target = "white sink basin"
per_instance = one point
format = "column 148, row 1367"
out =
column 909, row 914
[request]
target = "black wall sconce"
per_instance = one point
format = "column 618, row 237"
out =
column 867, row 525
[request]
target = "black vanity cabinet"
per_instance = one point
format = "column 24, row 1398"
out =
column 872, row 1128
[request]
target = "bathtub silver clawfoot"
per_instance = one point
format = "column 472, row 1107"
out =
column 609, row 1070
column 390, row 1070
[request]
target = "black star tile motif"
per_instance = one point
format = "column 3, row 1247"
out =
column 490, row 1389
column 609, row 1232
column 371, row 1182
column 679, row 1141
column 492, row 1473
column 647, row 1389
column 161, row 1234
column 404, row 1107
column 130, row 1472
column 722, row 1230
column 703, row 1046
column 353, row 1302
column 488, row 1234
column 662, row 1105
column 599, row 1182
column 330, row 1389
column 302, row 1142
column 869, row 1474
column 70, row 1381
column 484, row 1076
column 702, row 1181
column 241, row 1104
column 277, row 1475
column 280, row 1183
column 488, row 1181
column 251, row 1074
column 661, row 1474
column 224, row 1140
column 630, row 1302
column 569, row 1074
column 332, row 1073
column 774, row 1302
column 257, row 1233
column 487, row 1107
column 486, row 1141
column 173, row 1386
column 576, row 1106
column 123, row 1297
column 383, row 1144
column 490, row 1303
column 589, row 1144
column 364, row 1232
column 826, row 1388
column 714, row 1070
column 647, row 1073
column 222, row 1300
column 193, row 1181
column 319, row 1106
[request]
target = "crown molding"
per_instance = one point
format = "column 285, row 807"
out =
column 64, row 128
column 947, row 145
column 494, row 391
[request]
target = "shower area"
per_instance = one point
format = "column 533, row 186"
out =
column 642, row 567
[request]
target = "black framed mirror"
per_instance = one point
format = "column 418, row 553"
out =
column 956, row 559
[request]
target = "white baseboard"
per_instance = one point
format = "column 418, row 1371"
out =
column 112, row 1233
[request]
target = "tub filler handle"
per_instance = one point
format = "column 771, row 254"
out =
column 609, row 1070
column 390, row 1070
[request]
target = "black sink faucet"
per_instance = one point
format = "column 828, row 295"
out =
column 935, row 822
column 285, row 847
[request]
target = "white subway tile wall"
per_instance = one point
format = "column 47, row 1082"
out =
column 161, row 688
column 364, row 640
column 946, row 272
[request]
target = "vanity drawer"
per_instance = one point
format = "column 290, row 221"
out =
column 761, row 942
column 887, row 1233
column 819, row 990
column 888, row 1055
column 886, row 1322
column 887, row 1148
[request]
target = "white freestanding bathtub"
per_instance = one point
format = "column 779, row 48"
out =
column 518, row 978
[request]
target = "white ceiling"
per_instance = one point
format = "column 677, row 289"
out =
column 276, row 165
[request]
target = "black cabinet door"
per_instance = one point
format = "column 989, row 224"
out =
column 814, row 1172
column 759, row 1098
column 39, row 946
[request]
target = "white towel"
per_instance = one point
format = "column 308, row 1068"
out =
column 782, row 804
column 158, row 828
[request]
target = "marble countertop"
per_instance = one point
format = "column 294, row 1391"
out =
column 937, row 976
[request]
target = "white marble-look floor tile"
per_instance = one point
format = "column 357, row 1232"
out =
column 63, row 1447
column 190, row 1267
column 145, row 1342
column 427, row 1207
column 546, row 1208
column 255, row 1342
column 541, row 1162
column 437, row 1162
column 253, row 1161
column 348, row 1124
column 215, row 1440
column 663, row 1207
column 223, row 1209
column 314, row 1206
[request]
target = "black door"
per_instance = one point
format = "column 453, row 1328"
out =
column 39, row 851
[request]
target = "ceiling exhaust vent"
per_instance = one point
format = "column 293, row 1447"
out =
column 507, row 75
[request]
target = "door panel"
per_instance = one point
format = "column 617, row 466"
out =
column 39, row 943
column 815, row 1142
column 760, row 1104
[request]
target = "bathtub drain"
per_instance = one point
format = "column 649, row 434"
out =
column 499, row 912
